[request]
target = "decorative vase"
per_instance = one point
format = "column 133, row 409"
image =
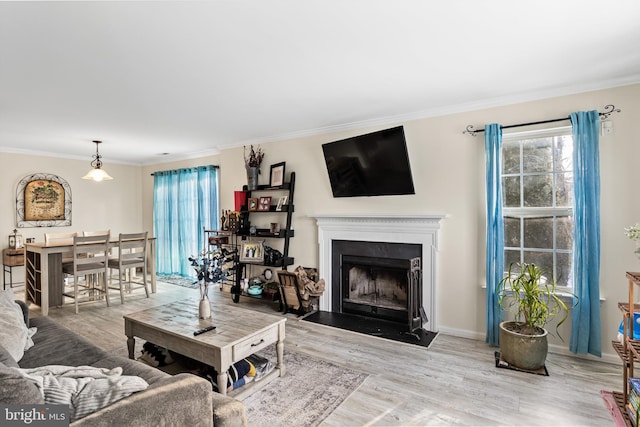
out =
column 204, row 310
column 637, row 250
column 252, row 178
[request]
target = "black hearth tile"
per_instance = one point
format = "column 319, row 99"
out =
column 374, row 327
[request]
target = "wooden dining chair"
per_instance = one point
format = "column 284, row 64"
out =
column 90, row 256
column 63, row 239
column 96, row 233
column 59, row 238
column 95, row 277
column 132, row 253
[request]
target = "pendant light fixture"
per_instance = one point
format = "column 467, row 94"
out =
column 97, row 173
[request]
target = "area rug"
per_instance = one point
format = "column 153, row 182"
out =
column 501, row 363
column 375, row 327
column 311, row 390
column 187, row 282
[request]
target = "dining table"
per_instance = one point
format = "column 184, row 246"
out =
column 44, row 282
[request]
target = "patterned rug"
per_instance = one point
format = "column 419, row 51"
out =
column 186, row 282
column 310, row 390
column 308, row 393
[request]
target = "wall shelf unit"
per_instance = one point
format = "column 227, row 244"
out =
column 628, row 350
column 253, row 228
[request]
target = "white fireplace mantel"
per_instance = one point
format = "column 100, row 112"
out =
column 417, row 229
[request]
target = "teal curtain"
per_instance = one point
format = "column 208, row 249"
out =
column 185, row 202
column 495, row 229
column 585, row 317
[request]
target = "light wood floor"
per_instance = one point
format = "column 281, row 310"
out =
column 455, row 382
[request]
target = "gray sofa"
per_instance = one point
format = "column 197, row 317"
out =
column 182, row 399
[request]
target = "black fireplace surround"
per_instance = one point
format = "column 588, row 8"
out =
column 387, row 262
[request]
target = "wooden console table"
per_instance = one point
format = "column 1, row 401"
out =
column 43, row 272
column 239, row 333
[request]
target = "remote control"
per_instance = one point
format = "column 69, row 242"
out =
column 203, row 330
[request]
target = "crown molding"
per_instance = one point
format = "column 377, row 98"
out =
column 451, row 109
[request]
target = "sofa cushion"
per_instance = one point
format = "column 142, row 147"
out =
column 15, row 337
column 7, row 359
column 180, row 400
column 16, row 389
column 131, row 367
column 56, row 345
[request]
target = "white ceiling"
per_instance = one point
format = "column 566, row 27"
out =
column 190, row 78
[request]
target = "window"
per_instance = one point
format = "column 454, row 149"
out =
column 537, row 183
column 185, row 203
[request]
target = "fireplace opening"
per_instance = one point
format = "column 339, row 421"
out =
column 378, row 280
column 375, row 287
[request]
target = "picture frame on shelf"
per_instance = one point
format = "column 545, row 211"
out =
column 281, row 202
column 252, row 252
column 265, row 203
column 274, row 228
column 252, row 204
column 277, row 174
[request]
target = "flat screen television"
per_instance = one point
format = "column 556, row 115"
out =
column 375, row 164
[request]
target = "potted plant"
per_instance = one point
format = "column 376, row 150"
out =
column 531, row 297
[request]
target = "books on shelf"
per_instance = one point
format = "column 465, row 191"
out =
column 633, row 401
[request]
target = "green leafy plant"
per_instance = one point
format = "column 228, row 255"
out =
column 532, row 298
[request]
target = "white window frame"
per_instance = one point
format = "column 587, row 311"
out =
column 539, row 211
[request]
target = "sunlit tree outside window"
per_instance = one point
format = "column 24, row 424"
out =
column 537, row 183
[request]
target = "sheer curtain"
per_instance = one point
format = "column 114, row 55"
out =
column 185, row 202
column 495, row 229
column 585, row 317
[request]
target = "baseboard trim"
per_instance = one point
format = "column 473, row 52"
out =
column 611, row 358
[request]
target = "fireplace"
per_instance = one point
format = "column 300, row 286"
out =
column 373, row 278
column 372, row 235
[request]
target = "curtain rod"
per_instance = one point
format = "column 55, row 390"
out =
column 184, row 169
column 609, row 109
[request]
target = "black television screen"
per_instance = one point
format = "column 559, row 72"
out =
column 375, row 164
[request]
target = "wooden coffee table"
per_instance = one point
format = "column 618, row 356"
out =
column 239, row 333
